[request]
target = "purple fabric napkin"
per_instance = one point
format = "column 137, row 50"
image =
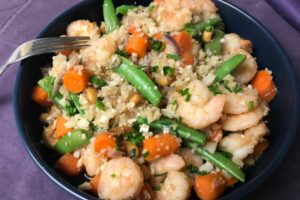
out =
column 289, row 10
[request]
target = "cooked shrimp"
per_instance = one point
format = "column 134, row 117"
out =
column 237, row 103
column 247, row 70
column 190, row 157
column 92, row 161
column 83, row 28
column 171, row 16
column 166, row 164
column 242, row 121
column 202, row 109
column 241, row 145
column 205, row 7
column 175, row 187
column 233, row 42
column 98, row 54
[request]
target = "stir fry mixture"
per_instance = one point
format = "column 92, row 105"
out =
column 162, row 103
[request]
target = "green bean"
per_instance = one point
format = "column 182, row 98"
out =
column 194, row 29
column 110, row 16
column 229, row 66
column 219, row 160
column 215, row 46
column 180, row 129
column 75, row 99
column 47, row 84
column 70, row 142
column 139, row 80
column 124, row 9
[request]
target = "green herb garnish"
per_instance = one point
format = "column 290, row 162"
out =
column 168, row 71
column 158, row 45
column 174, row 56
column 186, row 94
column 100, row 105
column 250, row 105
column 97, row 82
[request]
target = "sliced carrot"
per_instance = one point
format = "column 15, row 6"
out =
column 230, row 181
column 76, row 81
column 210, row 186
column 159, row 145
column 146, row 193
column 61, row 130
column 158, row 36
column 68, row 164
column 184, row 41
column 264, row 84
column 94, row 183
column 188, row 58
column 132, row 29
column 104, row 142
column 40, row 96
column 138, row 43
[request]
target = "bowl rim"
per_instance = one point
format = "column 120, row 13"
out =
column 242, row 191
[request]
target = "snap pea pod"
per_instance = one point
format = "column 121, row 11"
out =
column 179, row 129
column 138, row 78
column 70, row 142
column 124, row 9
column 110, row 16
column 47, row 84
column 194, row 29
column 219, row 160
column 229, row 66
column 215, row 46
column 75, row 99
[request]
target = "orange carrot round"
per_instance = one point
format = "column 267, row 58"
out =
column 159, row 145
column 76, row 81
column 40, row 96
column 264, row 84
column 138, row 43
column 210, row 186
column 104, row 142
column 94, row 183
column 68, row 164
column 132, row 29
column 61, row 130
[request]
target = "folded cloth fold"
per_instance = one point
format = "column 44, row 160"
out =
column 289, row 10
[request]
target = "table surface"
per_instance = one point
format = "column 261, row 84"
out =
column 21, row 20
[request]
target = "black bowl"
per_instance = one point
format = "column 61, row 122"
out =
column 283, row 117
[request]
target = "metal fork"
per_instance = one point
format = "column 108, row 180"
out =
column 43, row 46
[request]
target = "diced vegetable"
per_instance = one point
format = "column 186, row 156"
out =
column 192, row 169
column 61, row 129
column 104, row 142
column 194, row 29
column 124, row 9
column 100, row 105
column 186, row 94
column 214, row 47
column 68, row 107
column 75, row 140
column 68, row 165
column 207, row 34
column 168, row 71
column 94, row 183
column 137, row 43
column 179, row 129
column 139, row 79
column 97, row 81
column 174, row 56
column 159, row 145
column 75, row 99
column 158, row 45
column 210, row 186
column 47, row 84
column 76, row 81
column 263, row 83
column 134, row 138
column 185, row 44
column 229, row 66
column 40, row 96
column 219, row 160
column 110, row 16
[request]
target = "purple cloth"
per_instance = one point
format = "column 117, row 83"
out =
column 289, row 9
column 22, row 20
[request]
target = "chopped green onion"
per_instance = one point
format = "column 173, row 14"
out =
column 122, row 53
column 250, row 105
column 134, row 138
column 237, row 89
column 75, row 99
column 192, row 169
column 186, row 94
column 100, row 105
column 113, row 175
column 174, row 56
column 154, row 69
column 168, row 71
column 215, row 88
column 158, row 45
column 209, row 28
column 97, row 82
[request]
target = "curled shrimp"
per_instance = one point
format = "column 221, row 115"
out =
column 237, row 103
column 206, row 8
column 83, row 28
column 92, row 161
column 175, row 187
column 243, row 121
column 121, row 179
column 233, row 42
column 202, row 109
column 166, row 164
column 241, row 145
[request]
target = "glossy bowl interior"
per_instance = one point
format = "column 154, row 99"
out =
column 283, row 118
